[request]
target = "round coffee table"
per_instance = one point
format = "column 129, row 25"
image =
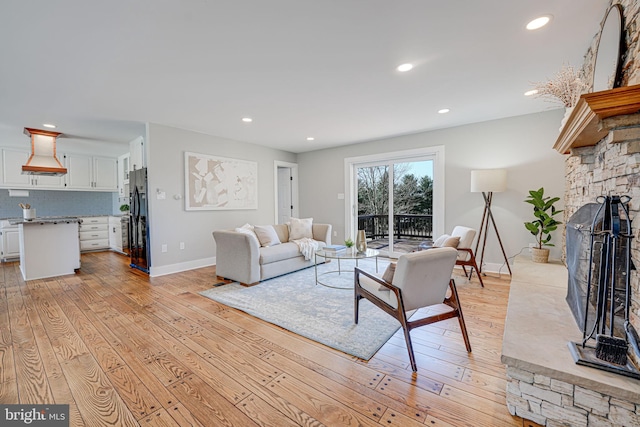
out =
column 349, row 253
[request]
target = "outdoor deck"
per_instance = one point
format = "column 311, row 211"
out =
column 404, row 245
column 409, row 231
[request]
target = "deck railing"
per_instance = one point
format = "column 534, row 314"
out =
column 404, row 226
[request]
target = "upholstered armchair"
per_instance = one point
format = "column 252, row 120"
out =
column 461, row 238
column 421, row 279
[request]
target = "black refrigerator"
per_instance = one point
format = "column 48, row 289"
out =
column 138, row 220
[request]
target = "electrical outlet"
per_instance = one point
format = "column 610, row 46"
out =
column 164, row 248
column 181, row 245
column 335, row 234
column 531, row 246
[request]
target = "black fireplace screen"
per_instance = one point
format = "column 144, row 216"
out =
column 584, row 254
column 578, row 230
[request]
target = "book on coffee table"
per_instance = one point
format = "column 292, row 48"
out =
column 334, row 248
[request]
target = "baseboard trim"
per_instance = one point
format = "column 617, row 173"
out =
column 182, row 266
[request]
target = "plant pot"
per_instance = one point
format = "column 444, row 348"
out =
column 540, row 255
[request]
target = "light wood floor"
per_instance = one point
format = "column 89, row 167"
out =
column 123, row 349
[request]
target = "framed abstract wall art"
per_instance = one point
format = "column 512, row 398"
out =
column 219, row 183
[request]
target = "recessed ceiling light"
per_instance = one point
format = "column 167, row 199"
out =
column 443, row 111
column 247, row 119
column 531, row 92
column 539, row 22
column 404, row 67
column 310, row 138
column 48, row 125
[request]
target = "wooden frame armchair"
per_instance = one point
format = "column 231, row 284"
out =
column 421, row 280
column 466, row 257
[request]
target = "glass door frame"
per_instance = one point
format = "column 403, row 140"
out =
column 434, row 153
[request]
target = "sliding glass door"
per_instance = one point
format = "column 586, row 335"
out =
column 394, row 200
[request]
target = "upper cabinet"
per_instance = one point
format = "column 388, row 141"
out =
column 105, row 173
column 12, row 161
column 136, row 150
column 85, row 172
column 123, row 175
column 91, row 172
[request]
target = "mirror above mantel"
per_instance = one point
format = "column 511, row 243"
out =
column 607, row 67
column 584, row 125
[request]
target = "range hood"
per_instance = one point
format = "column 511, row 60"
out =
column 43, row 160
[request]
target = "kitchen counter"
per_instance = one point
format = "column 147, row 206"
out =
column 49, row 247
column 44, row 220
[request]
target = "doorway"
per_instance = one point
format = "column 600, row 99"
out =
column 286, row 191
column 397, row 198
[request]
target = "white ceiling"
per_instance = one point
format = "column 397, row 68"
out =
column 299, row 68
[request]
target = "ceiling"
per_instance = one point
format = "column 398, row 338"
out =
column 298, row 68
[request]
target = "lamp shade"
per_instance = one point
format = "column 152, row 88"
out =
column 488, row 180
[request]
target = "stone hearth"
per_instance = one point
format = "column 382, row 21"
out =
column 545, row 385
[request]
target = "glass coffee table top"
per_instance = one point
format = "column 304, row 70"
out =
column 347, row 254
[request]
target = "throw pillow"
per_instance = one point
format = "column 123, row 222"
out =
column 247, row 229
column 300, row 228
column 440, row 240
column 267, row 235
column 387, row 276
column 451, row 242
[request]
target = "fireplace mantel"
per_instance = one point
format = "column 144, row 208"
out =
column 584, row 128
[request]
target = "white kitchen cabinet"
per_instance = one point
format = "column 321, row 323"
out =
column 118, row 234
column 10, row 241
column 12, row 161
column 94, row 233
column 123, row 175
column 91, row 172
column 137, row 154
column 48, row 248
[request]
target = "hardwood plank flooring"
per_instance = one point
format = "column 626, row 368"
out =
column 124, row 349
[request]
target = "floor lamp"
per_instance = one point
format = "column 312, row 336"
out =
column 487, row 182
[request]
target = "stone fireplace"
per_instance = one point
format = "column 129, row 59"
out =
column 601, row 142
column 610, row 167
column 604, row 158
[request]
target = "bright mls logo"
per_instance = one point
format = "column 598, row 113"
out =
column 34, row 415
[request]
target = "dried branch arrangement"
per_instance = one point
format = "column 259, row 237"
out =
column 565, row 87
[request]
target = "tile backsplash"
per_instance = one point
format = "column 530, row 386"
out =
column 61, row 203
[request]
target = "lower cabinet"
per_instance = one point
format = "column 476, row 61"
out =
column 119, row 234
column 94, row 233
column 10, row 242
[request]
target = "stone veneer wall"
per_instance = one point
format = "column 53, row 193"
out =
column 612, row 167
column 546, row 401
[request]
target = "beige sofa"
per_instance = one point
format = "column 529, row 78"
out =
column 240, row 257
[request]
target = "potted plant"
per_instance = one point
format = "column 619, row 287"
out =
column 544, row 210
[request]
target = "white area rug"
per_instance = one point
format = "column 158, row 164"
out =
column 320, row 313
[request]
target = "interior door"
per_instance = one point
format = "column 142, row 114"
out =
column 285, row 191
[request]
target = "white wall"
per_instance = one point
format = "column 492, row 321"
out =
column 522, row 145
column 170, row 223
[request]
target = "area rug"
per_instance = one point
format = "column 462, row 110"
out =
column 295, row 302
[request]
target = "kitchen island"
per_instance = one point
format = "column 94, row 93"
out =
column 48, row 246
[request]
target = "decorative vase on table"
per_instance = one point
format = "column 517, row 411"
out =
column 540, row 255
column 361, row 241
